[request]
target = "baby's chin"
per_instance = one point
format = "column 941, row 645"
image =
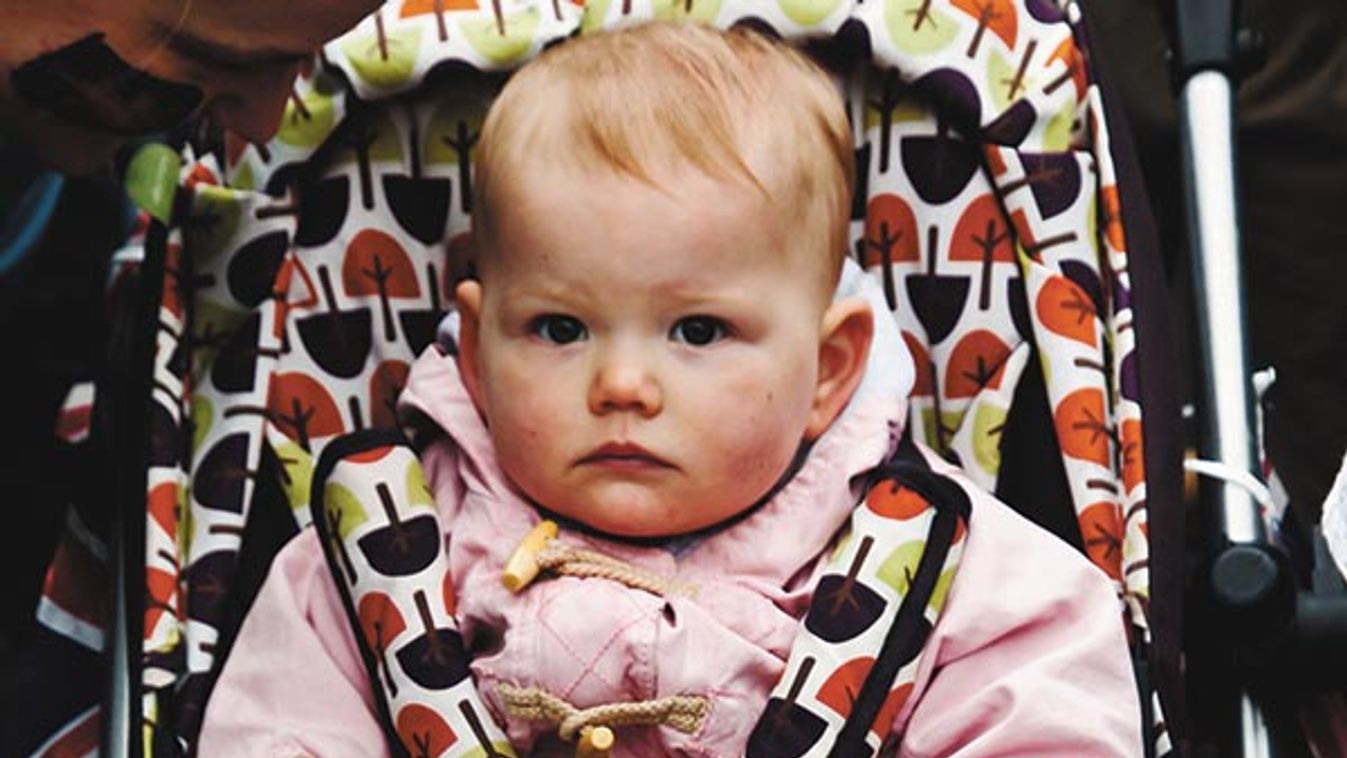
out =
column 647, row 520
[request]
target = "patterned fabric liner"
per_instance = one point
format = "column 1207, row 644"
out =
column 312, row 269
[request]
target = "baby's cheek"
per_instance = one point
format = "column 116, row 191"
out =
column 524, row 403
column 526, row 433
column 525, row 452
column 763, row 436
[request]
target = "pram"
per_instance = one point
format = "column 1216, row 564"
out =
column 300, row 278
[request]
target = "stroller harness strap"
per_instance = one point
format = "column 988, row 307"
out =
column 850, row 670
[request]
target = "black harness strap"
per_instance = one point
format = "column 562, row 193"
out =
column 906, row 636
column 343, row 447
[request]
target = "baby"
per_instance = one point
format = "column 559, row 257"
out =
column 664, row 352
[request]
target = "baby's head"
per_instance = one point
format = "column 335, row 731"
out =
column 660, row 223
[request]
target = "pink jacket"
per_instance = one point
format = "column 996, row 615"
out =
column 1028, row 659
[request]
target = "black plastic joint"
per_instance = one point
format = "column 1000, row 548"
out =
column 1205, row 37
column 1251, row 587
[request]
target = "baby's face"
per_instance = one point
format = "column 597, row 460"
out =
column 646, row 360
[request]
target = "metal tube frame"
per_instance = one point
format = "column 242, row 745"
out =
column 1206, row 108
column 116, row 717
column 1228, row 419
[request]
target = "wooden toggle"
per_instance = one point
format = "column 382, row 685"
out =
column 523, row 564
column 595, row 742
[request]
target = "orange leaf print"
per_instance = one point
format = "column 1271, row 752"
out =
column 978, row 361
column 889, row 710
column 924, row 386
column 999, row 16
column 1082, row 428
column 1133, row 460
column 421, row 7
column 1101, row 528
column 423, row 731
column 982, row 233
column 1065, row 309
column 1110, row 217
column 198, row 175
column 1068, row 53
column 385, row 383
column 373, row 455
column 163, row 507
column 160, row 586
column 840, row 689
column 301, row 409
column 890, row 231
column 379, row 620
column 892, row 500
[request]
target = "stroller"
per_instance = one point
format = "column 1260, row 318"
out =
column 285, row 289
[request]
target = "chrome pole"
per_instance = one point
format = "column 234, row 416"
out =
column 1255, row 739
column 1245, row 578
column 117, row 709
column 1206, row 109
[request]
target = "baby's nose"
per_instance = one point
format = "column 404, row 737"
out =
column 624, row 383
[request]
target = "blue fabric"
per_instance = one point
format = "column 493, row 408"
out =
column 23, row 225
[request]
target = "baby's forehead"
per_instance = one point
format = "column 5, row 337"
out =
column 567, row 273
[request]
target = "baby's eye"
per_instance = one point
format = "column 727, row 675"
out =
column 698, row 330
column 558, row 329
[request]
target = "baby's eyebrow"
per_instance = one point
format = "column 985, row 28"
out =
column 547, row 290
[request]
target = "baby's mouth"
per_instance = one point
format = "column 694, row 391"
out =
column 623, row 455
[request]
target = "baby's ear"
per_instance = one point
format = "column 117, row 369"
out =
column 844, row 346
column 468, row 295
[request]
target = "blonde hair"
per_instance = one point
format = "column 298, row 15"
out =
column 652, row 100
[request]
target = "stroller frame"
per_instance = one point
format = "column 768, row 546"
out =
column 1246, row 582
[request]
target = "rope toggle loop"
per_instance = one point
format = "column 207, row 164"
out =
column 539, row 551
column 684, row 713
